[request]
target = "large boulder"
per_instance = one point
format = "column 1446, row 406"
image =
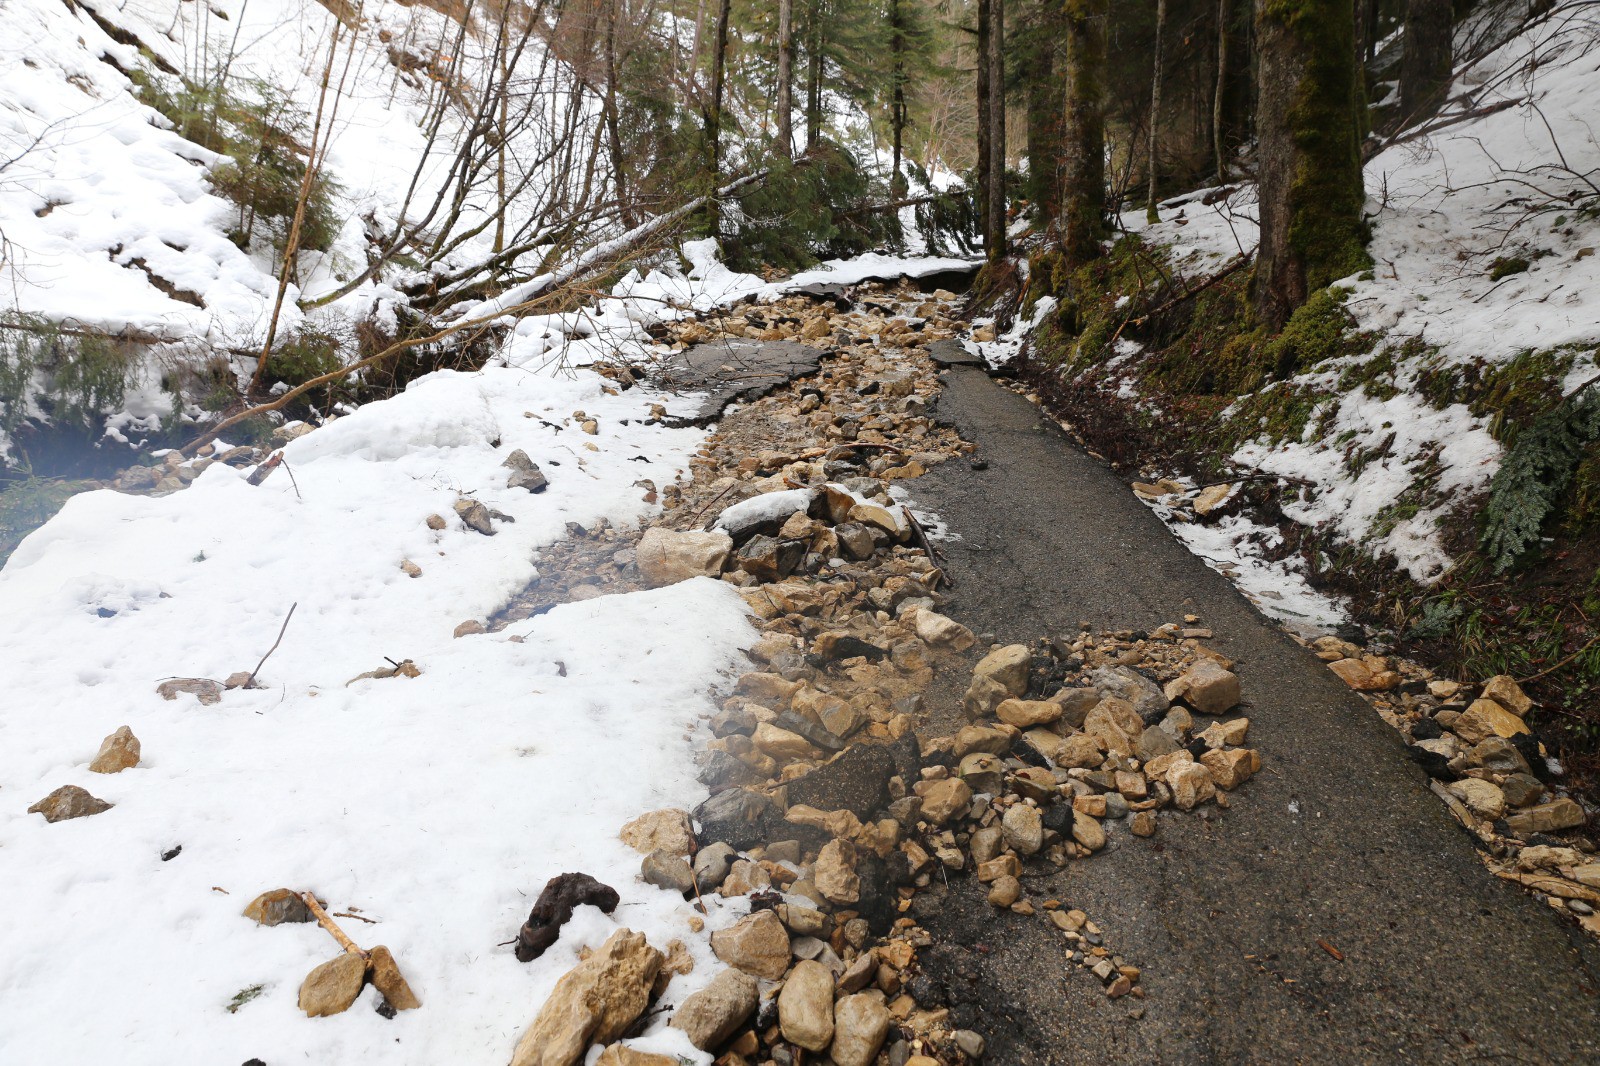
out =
column 666, row 556
column 595, row 1002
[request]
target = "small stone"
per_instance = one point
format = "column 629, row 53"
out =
column 939, row 630
column 1008, row 667
column 1191, row 785
column 201, row 688
column 998, row 867
column 983, row 773
column 385, row 975
column 970, row 1043
column 710, row 1016
column 1023, row 828
column 1211, row 498
column 666, row 870
column 1507, row 693
column 805, row 1006
column 1481, row 797
column 712, row 864
column 333, row 986
column 475, row 515
column 835, row 873
column 1231, row 768
column 117, row 752
column 860, row 1025
column 278, row 906
column 470, row 628
column 1087, row 832
column 1143, row 824
column 1209, row 688
column 621, row 1055
column 69, row 801
column 1521, row 789
column 1549, row 817
column 436, row 522
column 408, row 568
column 1004, row 891
column 666, row 830
column 941, row 799
column 756, row 944
column 525, row 473
column 1486, row 718
column 1080, row 751
column 1026, row 714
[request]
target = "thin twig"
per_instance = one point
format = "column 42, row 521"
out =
column 251, row 680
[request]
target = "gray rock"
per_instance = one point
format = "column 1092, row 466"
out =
column 1522, row 789
column 475, row 515
column 1155, row 742
column 855, row 540
column 857, row 780
column 203, row 689
column 860, row 1024
column 712, row 864
column 666, row 870
column 770, row 559
column 1023, row 829
column 710, row 1016
column 1128, row 684
column 738, row 817
column 970, row 1043
column 525, row 473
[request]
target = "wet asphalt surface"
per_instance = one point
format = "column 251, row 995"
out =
column 1338, row 841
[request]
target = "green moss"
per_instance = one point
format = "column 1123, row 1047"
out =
column 1505, row 266
column 1583, row 506
column 1511, row 394
column 1319, row 330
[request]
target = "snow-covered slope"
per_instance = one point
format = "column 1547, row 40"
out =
column 1494, row 180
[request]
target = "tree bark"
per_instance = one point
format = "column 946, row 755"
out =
column 714, row 115
column 982, row 120
column 1425, row 64
column 897, row 96
column 1218, row 134
column 1083, row 186
column 1155, row 109
column 619, row 170
column 1308, row 128
column 814, row 76
column 996, row 243
column 1045, row 102
column 785, row 101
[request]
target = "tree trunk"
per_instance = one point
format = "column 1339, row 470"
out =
column 1083, row 205
column 982, row 120
column 996, row 244
column 785, row 102
column 1045, row 102
column 619, row 172
column 1425, row 64
column 1155, row 110
column 1308, row 127
column 1218, row 135
column 714, row 117
column 814, row 76
column 897, row 97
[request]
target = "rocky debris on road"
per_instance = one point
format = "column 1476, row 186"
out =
column 1488, row 768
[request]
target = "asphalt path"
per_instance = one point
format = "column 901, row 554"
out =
column 1337, row 842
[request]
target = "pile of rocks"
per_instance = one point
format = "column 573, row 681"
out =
column 174, row 472
column 898, row 317
column 1488, row 768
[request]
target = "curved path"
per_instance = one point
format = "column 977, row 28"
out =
column 1338, row 840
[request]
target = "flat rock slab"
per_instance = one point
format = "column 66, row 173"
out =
column 1338, row 842
column 736, row 371
column 951, row 352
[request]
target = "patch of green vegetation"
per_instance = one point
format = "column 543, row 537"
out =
column 1505, row 266
column 1319, row 330
column 1528, row 487
column 1582, row 517
column 1512, row 394
column 243, row 996
column 307, row 354
column 1374, row 376
column 67, row 379
column 807, row 210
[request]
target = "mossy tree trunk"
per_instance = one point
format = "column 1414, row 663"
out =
column 1045, row 102
column 1150, row 213
column 1083, row 185
column 784, row 103
column 982, row 119
column 1425, row 64
column 995, row 243
column 1308, row 123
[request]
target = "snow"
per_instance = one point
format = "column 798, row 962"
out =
column 875, row 265
column 768, row 507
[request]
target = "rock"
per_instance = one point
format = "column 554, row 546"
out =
column 331, row 987
column 117, row 752
column 941, row 799
column 1508, row 694
column 277, row 907
column 769, row 559
column 1022, row 828
column 1114, row 725
column 1000, row 866
column 667, row 870
column 1126, row 683
column 1562, row 813
column 621, row 1055
column 983, row 772
column 1076, row 703
column 890, row 519
column 1521, row 789
column 664, row 830
column 855, row 540
column 805, row 1006
column 1025, row 714
column 983, row 696
column 946, row 632
column 201, row 688
column 1361, row 677
column 525, row 473
column 1230, row 769
column 666, row 557
column 1087, row 831
column 1481, row 797
column 553, row 909
column 835, row 873
column 407, row 567
column 971, row 738
column 782, row 745
column 1208, row 688
column 1008, row 667
column 757, row 944
column 738, row 816
column 475, row 515
column 594, row 1002
column 1211, row 499
column 384, row 974
column 986, row 844
column 712, row 864
column 436, row 522
column 1154, row 743
column 1191, row 785
column 856, row 780
column 1079, row 751
column 970, row 1043
column 1486, row 718
column 69, row 801
column 1004, row 891
column 860, row 1024
column 470, row 628
column 711, row 1015
column 1143, row 824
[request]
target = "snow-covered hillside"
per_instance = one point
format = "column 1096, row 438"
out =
column 1484, row 237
